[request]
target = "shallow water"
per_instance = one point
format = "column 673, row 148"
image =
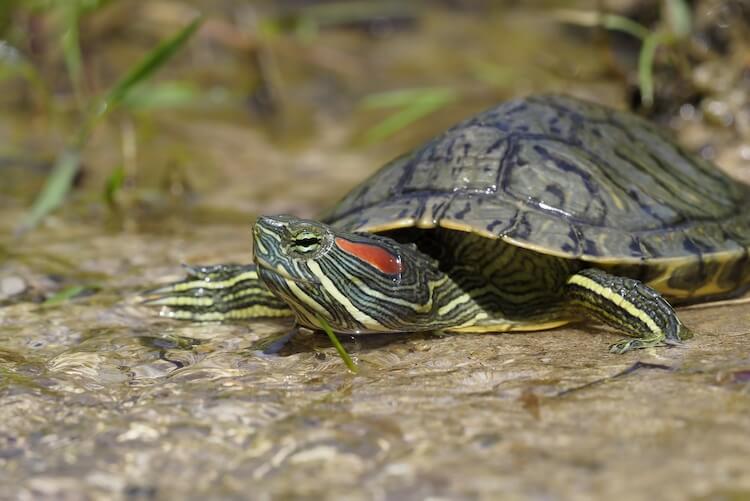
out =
column 102, row 399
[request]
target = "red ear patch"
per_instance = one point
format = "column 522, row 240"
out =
column 373, row 255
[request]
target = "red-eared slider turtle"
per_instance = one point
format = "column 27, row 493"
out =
column 533, row 214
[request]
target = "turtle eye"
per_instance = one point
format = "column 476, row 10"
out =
column 305, row 243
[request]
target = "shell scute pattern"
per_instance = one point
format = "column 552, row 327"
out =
column 736, row 229
column 560, row 176
column 546, row 231
column 556, row 183
column 464, row 162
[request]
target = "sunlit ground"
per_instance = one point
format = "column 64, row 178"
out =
column 270, row 110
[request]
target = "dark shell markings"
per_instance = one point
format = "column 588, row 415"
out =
column 568, row 178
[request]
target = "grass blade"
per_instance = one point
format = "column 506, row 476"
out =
column 55, row 189
column 114, row 184
column 646, row 68
column 337, row 344
column 418, row 104
column 147, row 66
column 402, row 97
column 64, row 295
column 592, row 19
column 679, row 18
column 150, row 96
column 72, row 48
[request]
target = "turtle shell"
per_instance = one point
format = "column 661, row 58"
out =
column 560, row 176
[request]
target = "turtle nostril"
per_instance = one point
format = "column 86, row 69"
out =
column 273, row 221
column 262, row 220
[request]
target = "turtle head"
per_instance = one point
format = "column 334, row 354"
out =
column 356, row 282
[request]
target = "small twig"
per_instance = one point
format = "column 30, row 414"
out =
column 629, row 370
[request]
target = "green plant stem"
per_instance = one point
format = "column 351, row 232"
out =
column 147, row 66
column 608, row 21
column 646, row 65
column 337, row 344
column 72, row 48
column 625, row 25
column 650, row 40
column 64, row 295
column 414, row 103
column 679, row 17
column 55, row 188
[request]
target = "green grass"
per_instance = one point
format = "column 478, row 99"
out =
column 67, row 164
column 337, row 344
column 65, row 295
column 411, row 105
column 676, row 25
column 114, row 184
column 71, row 47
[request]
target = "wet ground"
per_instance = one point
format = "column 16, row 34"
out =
column 102, row 399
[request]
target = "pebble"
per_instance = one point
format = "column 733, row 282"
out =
column 10, row 286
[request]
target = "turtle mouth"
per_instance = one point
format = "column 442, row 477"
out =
column 281, row 272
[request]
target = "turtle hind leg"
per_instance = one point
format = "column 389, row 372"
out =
column 216, row 293
column 627, row 305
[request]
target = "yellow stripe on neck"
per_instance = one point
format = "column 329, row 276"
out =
column 619, row 301
column 221, row 284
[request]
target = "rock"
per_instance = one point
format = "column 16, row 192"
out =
column 11, row 286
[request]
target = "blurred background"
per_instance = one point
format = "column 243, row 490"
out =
column 136, row 135
column 281, row 106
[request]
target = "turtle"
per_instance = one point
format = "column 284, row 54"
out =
column 540, row 211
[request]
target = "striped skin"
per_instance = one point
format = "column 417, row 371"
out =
column 517, row 287
column 220, row 292
column 461, row 282
column 353, row 295
column 627, row 305
column 416, row 280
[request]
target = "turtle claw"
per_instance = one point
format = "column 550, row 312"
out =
column 623, row 346
column 682, row 333
column 630, row 344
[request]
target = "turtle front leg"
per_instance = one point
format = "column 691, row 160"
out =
column 627, row 305
column 215, row 293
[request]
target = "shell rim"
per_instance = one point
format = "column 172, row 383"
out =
column 405, row 223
